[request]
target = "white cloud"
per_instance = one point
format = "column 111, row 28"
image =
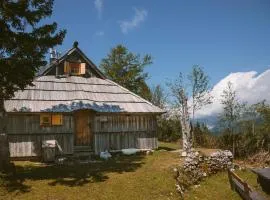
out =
column 137, row 19
column 99, row 7
column 250, row 87
column 100, row 33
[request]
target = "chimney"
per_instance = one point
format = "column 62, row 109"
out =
column 53, row 55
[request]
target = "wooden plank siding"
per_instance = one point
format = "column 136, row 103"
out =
column 26, row 135
column 115, row 132
column 110, row 132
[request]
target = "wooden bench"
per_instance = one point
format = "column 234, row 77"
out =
column 263, row 178
column 243, row 189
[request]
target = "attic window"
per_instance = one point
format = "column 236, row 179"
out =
column 74, row 68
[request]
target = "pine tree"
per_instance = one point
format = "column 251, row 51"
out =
column 23, row 45
column 127, row 69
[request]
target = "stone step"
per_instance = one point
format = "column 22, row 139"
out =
column 83, row 152
column 83, row 149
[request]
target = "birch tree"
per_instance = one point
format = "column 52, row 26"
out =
column 231, row 110
column 178, row 90
column 200, row 89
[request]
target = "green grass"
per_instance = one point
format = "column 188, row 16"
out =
column 251, row 178
column 213, row 188
column 169, row 146
column 125, row 177
column 218, row 187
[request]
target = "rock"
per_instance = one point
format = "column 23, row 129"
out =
column 105, row 155
column 150, row 152
column 197, row 167
column 184, row 154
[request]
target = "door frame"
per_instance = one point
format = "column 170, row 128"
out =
column 90, row 122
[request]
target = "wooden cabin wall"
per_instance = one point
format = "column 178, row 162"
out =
column 26, row 135
column 115, row 132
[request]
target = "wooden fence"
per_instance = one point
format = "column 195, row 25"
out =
column 243, row 189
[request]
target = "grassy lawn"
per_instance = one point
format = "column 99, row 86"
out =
column 213, row 188
column 218, row 187
column 125, row 177
column 169, row 146
column 251, row 178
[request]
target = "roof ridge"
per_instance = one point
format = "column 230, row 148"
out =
column 77, row 90
column 65, row 100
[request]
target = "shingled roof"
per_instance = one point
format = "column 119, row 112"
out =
column 67, row 94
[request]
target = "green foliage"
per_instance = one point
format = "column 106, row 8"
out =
column 169, row 130
column 231, row 108
column 231, row 112
column 127, row 69
column 158, row 96
column 23, row 43
column 178, row 91
column 200, row 89
column 203, row 136
column 251, row 132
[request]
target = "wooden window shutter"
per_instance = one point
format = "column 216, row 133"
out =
column 57, row 119
column 45, row 119
column 82, row 68
column 66, row 67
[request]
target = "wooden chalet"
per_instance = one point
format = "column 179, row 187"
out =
column 72, row 102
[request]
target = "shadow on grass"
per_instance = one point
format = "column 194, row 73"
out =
column 162, row 148
column 12, row 183
column 71, row 176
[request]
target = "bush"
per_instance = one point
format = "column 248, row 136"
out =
column 169, row 130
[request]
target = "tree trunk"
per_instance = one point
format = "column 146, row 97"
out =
column 186, row 130
column 4, row 145
column 233, row 146
column 193, row 125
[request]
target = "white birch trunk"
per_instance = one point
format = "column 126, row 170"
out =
column 186, row 130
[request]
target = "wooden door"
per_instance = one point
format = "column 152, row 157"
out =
column 83, row 128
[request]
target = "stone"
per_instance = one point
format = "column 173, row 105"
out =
column 197, row 167
column 184, row 154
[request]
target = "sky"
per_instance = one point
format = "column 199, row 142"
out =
column 224, row 37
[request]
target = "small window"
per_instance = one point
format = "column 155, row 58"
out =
column 57, row 120
column 75, row 68
column 45, row 119
column 51, row 120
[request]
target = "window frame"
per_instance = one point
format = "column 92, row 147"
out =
column 50, row 120
column 61, row 120
column 42, row 121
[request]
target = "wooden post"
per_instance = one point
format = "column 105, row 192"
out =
column 246, row 190
column 230, row 180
